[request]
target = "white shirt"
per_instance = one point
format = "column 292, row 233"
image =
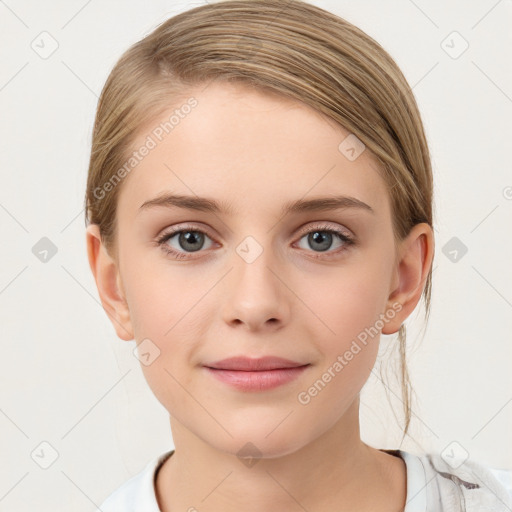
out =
column 432, row 486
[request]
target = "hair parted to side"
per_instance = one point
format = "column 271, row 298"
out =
column 291, row 48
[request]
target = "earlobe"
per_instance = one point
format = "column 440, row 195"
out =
column 108, row 281
column 413, row 264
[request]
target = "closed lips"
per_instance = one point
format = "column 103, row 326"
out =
column 253, row 364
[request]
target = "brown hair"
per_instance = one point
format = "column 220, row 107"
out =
column 291, row 48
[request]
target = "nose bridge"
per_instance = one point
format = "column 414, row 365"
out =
column 254, row 263
column 255, row 293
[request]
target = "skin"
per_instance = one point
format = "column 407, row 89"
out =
column 257, row 151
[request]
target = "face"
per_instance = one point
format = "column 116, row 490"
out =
column 252, row 278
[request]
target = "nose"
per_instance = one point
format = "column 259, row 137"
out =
column 256, row 296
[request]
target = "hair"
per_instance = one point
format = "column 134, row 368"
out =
column 296, row 50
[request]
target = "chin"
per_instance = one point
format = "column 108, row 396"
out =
column 255, row 443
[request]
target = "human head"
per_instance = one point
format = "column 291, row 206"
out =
column 311, row 56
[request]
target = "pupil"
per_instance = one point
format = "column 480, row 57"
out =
column 188, row 240
column 324, row 239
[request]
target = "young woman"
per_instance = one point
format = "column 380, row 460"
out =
column 259, row 202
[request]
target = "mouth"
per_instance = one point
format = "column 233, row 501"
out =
column 243, row 363
column 260, row 374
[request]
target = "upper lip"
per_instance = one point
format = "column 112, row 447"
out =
column 254, row 364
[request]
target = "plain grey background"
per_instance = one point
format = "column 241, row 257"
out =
column 76, row 416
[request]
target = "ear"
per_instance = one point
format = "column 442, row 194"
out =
column 414, row 259
column 108, row 282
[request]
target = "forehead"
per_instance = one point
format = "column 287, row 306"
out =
column 250, row 149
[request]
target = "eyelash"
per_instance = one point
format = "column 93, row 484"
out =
column 347, row 240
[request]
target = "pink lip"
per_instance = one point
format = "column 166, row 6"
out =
column 253, row 364
column 260, row 374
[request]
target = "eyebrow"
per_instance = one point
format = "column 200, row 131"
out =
column 203, row 204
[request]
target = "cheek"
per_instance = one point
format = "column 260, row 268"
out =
column 346, row 302
column 348, row 342
column 348, row 307
column 165, row 305
column 162, row 296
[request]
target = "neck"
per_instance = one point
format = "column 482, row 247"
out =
column 336, row 471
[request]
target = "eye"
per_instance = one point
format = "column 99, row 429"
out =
column 321, row 239
column 182, row 243
column 187, row 239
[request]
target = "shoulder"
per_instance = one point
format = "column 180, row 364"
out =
column 455, row 485
column 138, row 493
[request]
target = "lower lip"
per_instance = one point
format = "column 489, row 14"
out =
column 257, row 381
